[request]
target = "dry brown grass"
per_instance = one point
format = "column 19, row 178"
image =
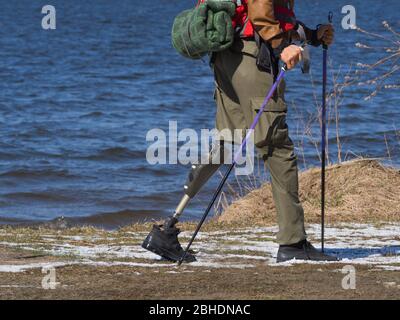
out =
column 357, row 191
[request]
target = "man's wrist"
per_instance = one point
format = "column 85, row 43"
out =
column 279, row 49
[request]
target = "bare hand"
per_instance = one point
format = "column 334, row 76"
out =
column 326, row 34
column 291, row 56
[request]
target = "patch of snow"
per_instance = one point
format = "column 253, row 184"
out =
column 389, row 268
column 23, row 267
column 16, row 286
column 356, row 244
column 216, row 265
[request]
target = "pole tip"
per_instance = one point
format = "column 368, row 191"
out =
column 180, row 261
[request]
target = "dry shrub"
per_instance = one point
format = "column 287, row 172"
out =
column 357, row 191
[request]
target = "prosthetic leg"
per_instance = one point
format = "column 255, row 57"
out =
column 163, row 239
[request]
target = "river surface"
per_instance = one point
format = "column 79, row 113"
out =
column 76, row 104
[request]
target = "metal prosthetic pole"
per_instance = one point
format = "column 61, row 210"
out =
column 323, row 142
column 236, row 157
column 198, row 177
column 172, row 221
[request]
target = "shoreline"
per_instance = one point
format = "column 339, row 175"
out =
column 61, row 223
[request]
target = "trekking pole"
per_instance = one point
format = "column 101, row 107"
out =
column 323, row 142
column 235, row 159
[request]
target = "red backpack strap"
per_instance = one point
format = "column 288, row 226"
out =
column 286, row 18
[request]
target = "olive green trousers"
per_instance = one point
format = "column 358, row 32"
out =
column 240, row 91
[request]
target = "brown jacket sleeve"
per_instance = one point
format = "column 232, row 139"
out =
column 261, row 14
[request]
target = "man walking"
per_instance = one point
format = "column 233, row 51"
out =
column 264, row 33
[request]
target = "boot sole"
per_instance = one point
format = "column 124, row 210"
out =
column 281, row 260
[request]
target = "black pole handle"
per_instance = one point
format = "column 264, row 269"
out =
column 330, row 20
column 330, row 17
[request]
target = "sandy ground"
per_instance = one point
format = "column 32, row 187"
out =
column 232, row 264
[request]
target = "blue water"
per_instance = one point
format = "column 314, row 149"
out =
column 76, row 104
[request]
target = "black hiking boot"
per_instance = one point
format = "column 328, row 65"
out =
column 163, row 241
column 303, row 250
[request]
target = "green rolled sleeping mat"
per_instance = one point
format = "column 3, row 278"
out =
column 204, row 29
